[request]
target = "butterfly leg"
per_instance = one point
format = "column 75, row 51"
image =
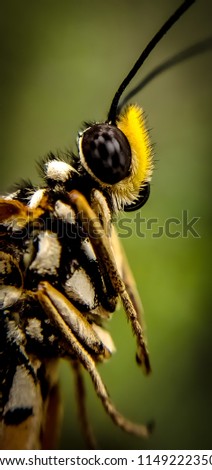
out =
column 77, row 348
column 102, row 247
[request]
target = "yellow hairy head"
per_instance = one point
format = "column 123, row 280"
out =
column 132, row 123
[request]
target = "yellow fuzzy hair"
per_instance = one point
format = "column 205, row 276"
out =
column 132, row 123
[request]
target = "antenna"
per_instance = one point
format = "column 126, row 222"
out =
column 145, row 53
column 192, row 51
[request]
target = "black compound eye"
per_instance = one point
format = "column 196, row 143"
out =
column 106, row 152
column 142, row 199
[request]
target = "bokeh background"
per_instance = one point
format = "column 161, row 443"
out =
column 61, row 64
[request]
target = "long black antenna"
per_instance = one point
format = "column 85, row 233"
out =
column 192, row 51
column 148, row 49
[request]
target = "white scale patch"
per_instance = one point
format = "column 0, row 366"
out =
column 88, row 249
column 79, row 287
column 9, row 295
column 29, row 252
column 14, row 334
column 23, row 392
column 47, row 259
column 10, row 196
column 36, row 198
column 34, row 329
column 58, row 170
column 65, row 212
column 51, row 338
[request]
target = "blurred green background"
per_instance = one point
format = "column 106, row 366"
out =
column 61, row 64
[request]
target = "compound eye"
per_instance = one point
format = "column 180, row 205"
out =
column 106, row 153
